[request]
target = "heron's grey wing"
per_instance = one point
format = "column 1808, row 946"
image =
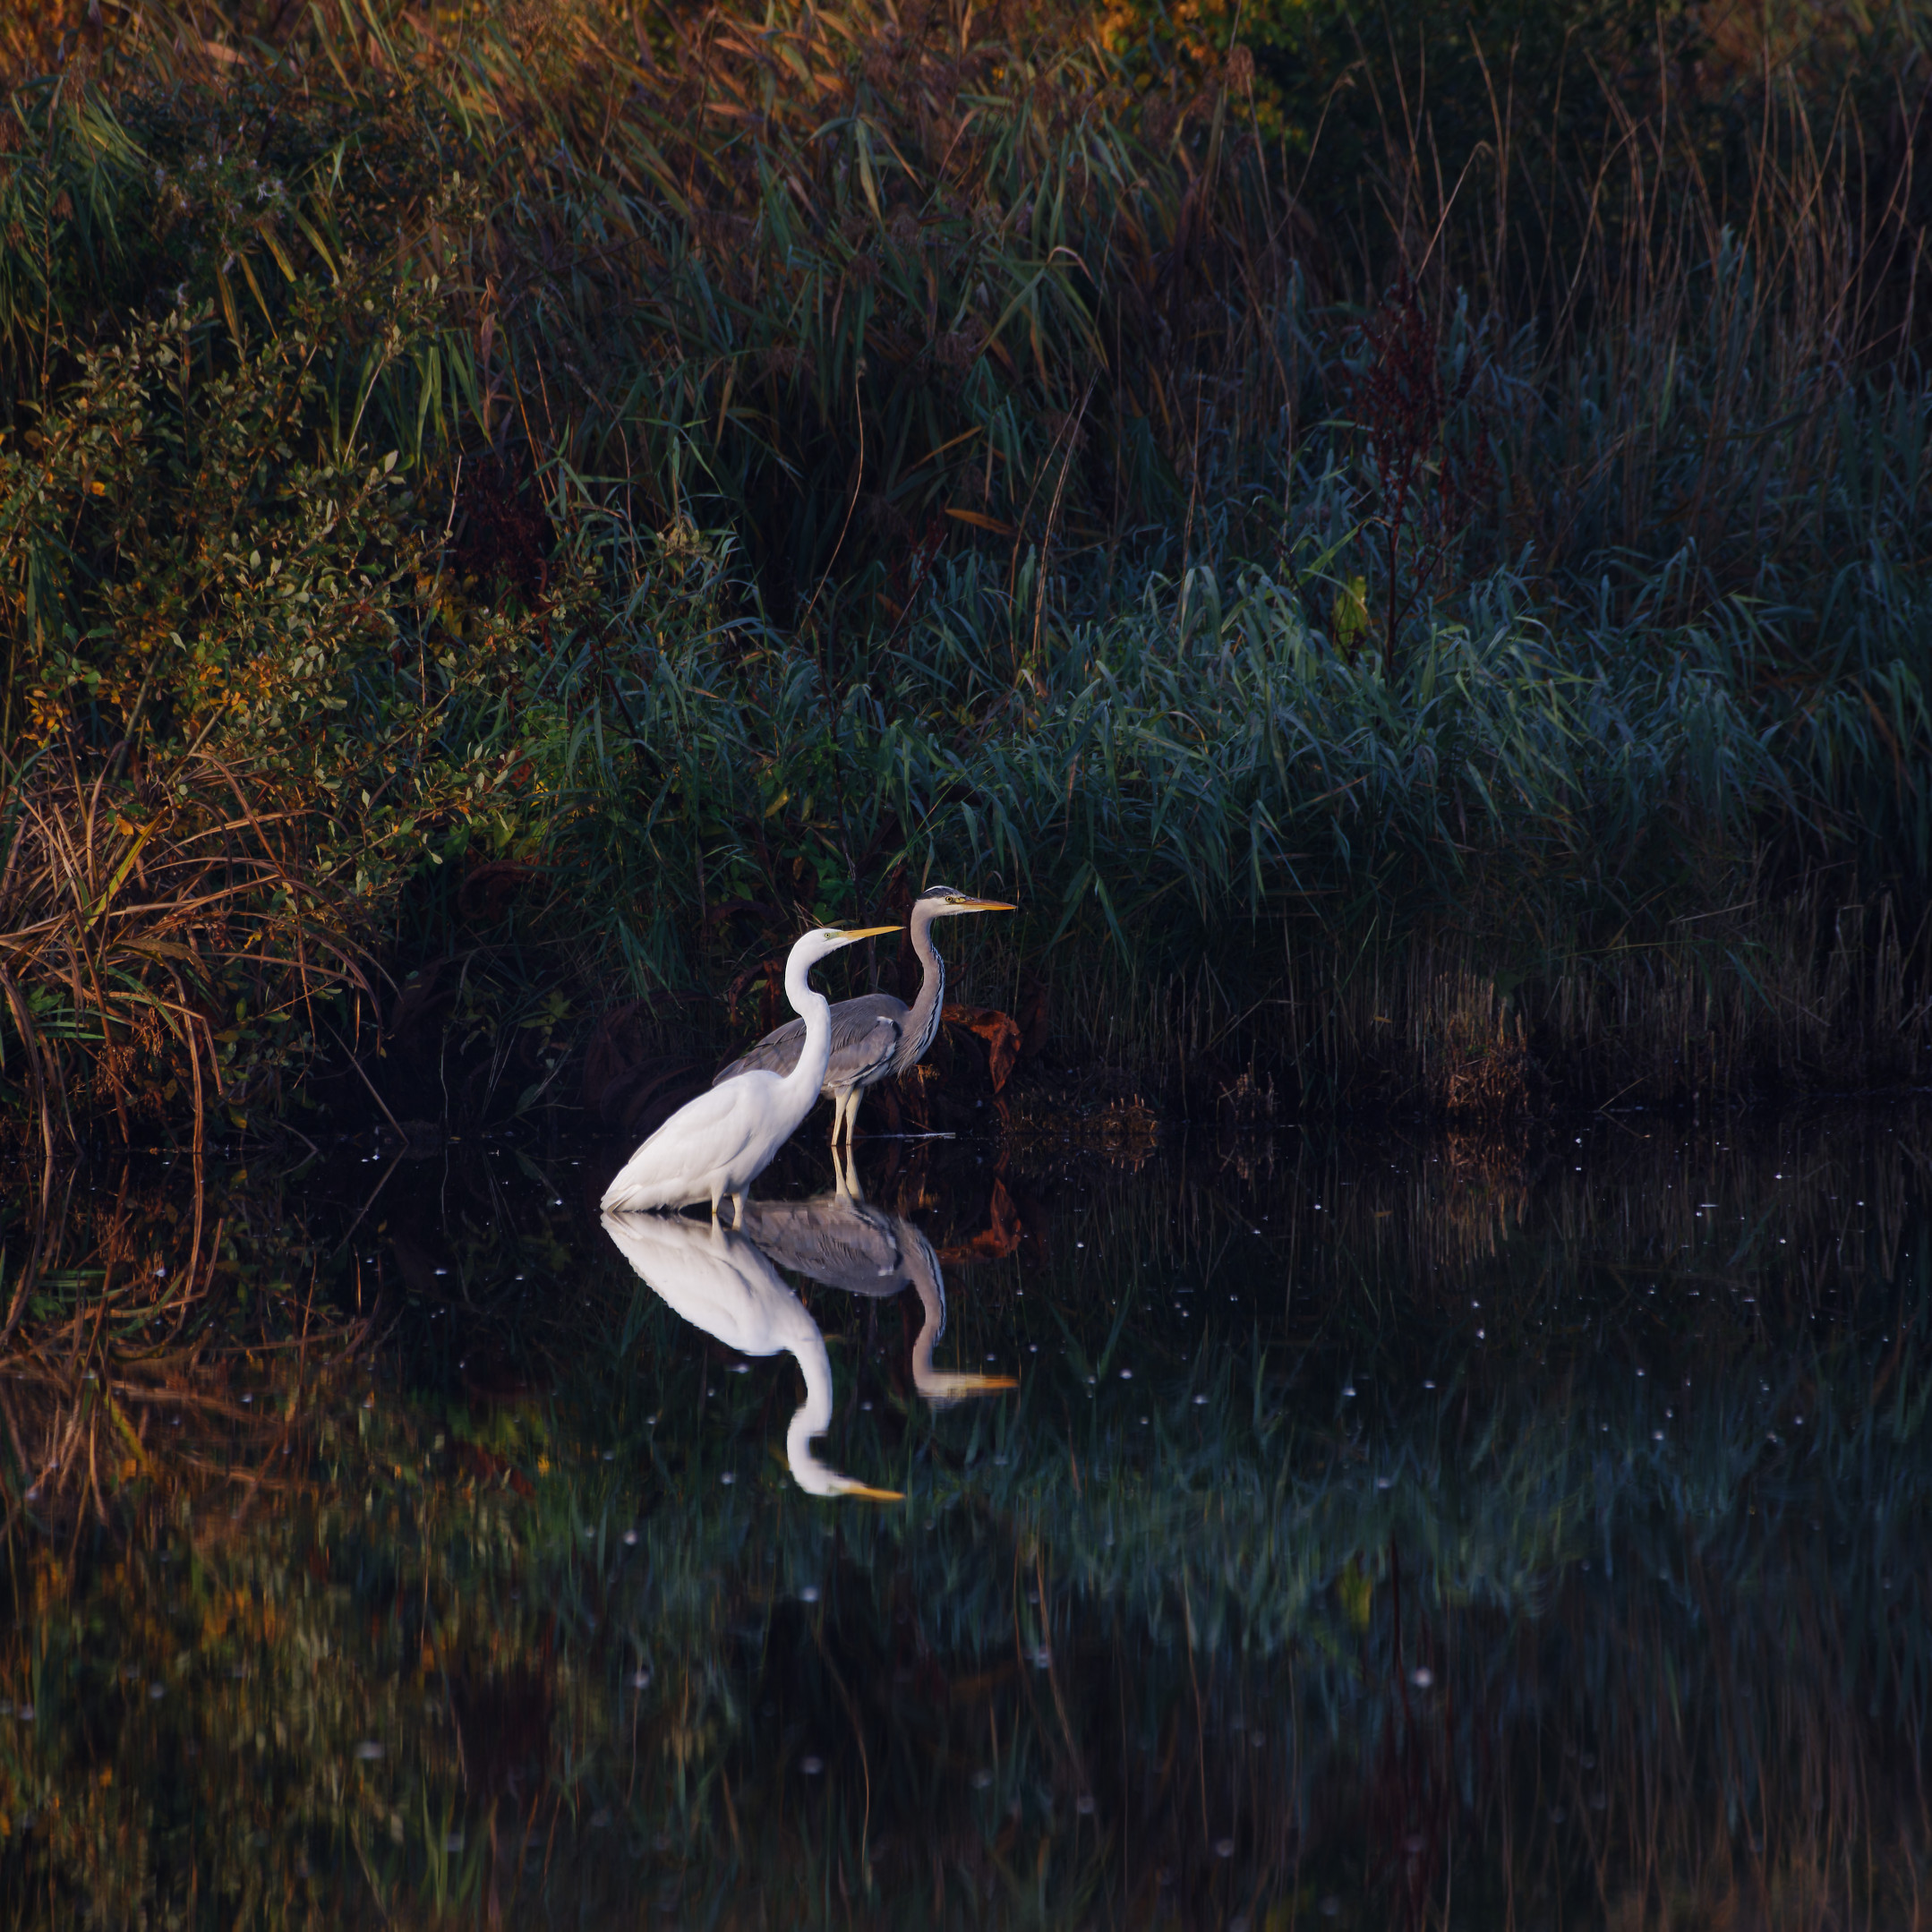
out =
column 865, row 1036
column 830, row 1239
column 777, row 1053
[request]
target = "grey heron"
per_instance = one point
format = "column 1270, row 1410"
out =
column 720, row 1142
column 873, row 1036
column 842, row 1240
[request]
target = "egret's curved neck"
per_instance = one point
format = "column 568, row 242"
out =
column 923, row 1020
column 812, row 1007
column 815, row 1413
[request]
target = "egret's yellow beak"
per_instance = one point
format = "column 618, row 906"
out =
column 871, row 1494
column 864, row 932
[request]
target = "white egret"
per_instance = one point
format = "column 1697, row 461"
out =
column 842, row 1240
column 721, row 1283
column 873, row 1036
column 719, row 1143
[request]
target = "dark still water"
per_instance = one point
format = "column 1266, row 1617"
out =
column 1287, row 1532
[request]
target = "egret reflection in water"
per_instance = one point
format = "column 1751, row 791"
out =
column 721, row 1283
column 842, row 1240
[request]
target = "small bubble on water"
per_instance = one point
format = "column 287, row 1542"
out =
column 157, row 1691
column 1348, row 1393
column 1083, row 1803
column 1384, row 1481
column 1224, row 1847
column 811, row 1766
column 809, row 1594
column 368, row 1750
column 640, row 1679
column 1422, row 1677
column 1127, row 1375
column 1330, row 1906
column 981, row 1780
column 630, row 1536
column 730, row 1475
column 1201, row 1402
column 453, row 1840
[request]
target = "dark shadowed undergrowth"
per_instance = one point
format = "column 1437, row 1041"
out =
column 508, row 513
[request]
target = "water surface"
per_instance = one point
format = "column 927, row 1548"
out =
column 1286, row 1530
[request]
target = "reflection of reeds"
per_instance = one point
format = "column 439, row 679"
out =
column 1206, row 1629
column 124, row 1362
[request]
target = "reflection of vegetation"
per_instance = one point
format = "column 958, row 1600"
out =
column 1151, row 1639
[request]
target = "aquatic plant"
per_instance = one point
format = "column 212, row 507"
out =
column 1421, row 652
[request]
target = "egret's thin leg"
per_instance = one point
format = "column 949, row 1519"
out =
column 717, row 1194
column 738, row 1209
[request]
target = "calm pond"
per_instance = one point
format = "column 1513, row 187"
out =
column 1290, row 1531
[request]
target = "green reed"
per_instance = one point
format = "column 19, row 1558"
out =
column 1406, row 652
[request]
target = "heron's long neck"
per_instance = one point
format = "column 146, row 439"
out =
column 938, row 1386
column 922, row 1022
column 811, row 1006
column 922, row 1269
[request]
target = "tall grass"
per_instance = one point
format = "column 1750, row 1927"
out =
column 841, row 446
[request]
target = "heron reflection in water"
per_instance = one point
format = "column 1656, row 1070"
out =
column 845, row 1242
column 721, row 1283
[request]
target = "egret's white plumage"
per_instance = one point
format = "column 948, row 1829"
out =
column 720, row 1142
column 721, row 1283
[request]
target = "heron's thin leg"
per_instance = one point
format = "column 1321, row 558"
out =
column 851, row 1114
column 839, row 1099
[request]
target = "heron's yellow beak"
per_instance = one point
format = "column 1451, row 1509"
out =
column 984, row 905
column 871, row 1494
column 943, row 1387
column 864, row 932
